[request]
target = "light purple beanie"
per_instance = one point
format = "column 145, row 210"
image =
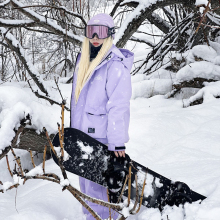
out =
column 102, row 19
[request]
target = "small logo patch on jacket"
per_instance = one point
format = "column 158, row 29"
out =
column 91, row 130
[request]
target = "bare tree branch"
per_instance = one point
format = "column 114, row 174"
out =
column 16, row 47
column 5, row 3
column 169, row 15
column 47, row 23
column 62, row 8
column 144, row 12
column 142, row 41
column 168, row 43
column 159, row 22
column 115, row 7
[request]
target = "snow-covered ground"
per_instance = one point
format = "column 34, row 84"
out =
column 180, row 143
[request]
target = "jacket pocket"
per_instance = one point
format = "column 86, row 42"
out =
column 95, row 122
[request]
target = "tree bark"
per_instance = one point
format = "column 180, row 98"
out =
column 30, row 140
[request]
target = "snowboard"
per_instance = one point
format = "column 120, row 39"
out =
column 91, row 159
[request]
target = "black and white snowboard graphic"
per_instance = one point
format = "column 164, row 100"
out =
column 91, row 159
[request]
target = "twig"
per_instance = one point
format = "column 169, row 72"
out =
column 60, row 162
column 50, row 143
column 113, row 206
column 119, row 199
column 18, row 161
column 44, row 97
column 53, row 7
column 122, row 218
column 56, row 82
column 4, row 152
column 62, row 121
column 43, row 178
column 142, row 193
column 52, row 175
column 110, row 215
column 137, row 195
column 44, row 158
column 206, row 10
column 61, row 142
column 32, row 159
column 97, row 217
column 12, row 187
column 8, row 166
column 129, row 185
column 16, row 199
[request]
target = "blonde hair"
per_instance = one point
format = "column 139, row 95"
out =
column 86, row 67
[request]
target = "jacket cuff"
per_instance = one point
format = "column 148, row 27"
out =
column 119, row 147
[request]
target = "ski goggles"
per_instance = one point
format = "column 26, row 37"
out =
column 101, row 31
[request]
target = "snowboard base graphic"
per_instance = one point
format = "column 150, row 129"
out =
column 91, row 159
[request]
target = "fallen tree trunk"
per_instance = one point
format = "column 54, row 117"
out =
column 30, row 140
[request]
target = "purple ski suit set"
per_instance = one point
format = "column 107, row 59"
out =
column 103, row 108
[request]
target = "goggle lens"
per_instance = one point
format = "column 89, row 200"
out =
column 99, row 30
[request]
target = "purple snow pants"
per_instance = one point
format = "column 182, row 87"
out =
column 94, row 190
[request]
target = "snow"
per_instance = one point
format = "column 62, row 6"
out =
column 65, row 182
column 179, row 143
column 201, row 2
column 4, row 3
column 15, row 21
column 199, row 70
column 86, row 149
column 208, row 93
column 148, row 88
column 16, row 103
column 35, row 171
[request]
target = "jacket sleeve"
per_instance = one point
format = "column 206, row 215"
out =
column 118, row 88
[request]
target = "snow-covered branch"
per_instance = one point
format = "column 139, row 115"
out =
column 167, row 44
column 62, row 8
column 149, row 43
column 16, row 47
column 170, row 15
column 47, row 23
column 5, row 3
column 159, row 22
column 142, row 11
column 210, row 92
column 17, row 23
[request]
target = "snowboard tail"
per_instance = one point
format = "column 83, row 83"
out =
column 91, row 159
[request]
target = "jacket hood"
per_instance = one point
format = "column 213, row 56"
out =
column 126, row 56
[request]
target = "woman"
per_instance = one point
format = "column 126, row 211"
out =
column 101, row 92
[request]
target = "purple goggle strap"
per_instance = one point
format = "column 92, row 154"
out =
column 101, row 30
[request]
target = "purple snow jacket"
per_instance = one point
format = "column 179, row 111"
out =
column 103, row 107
